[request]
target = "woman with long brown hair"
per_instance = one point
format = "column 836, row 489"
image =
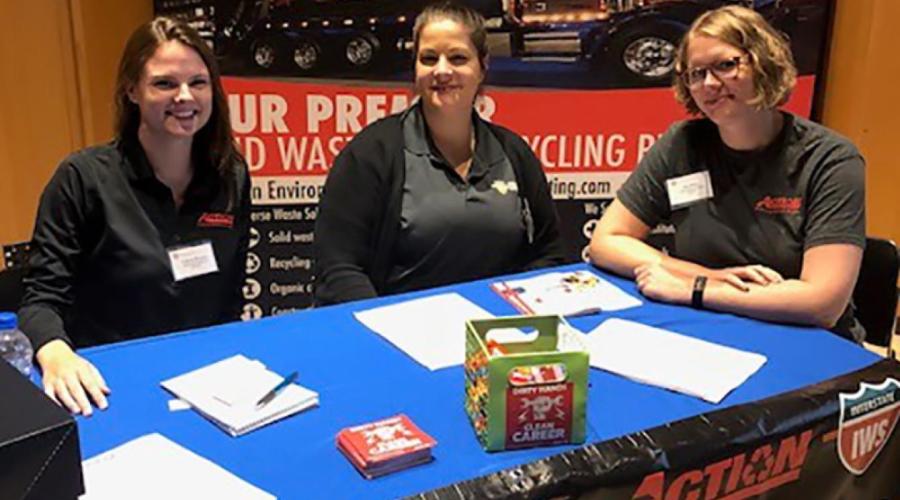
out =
column 146, row 234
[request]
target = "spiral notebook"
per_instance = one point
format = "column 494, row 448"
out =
column 226, row 392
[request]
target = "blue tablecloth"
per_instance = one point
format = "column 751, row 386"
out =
column 361, row 377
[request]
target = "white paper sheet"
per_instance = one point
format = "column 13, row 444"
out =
column 154, row 467
column 178, row 405
column 567, row 294
column 666, row 359
column 431, row 330
column 226, row 392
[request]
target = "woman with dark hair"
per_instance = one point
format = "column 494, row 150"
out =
column 146, row 234
column 434, row 195
column 769, row 208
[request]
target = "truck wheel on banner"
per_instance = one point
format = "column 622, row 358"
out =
column 361, row 50
column 306, row 55
column 265, row 53
column 644, row 51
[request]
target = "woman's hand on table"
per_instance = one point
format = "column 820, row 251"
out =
column 656, row 282
column 70, row 380
column 741, row 277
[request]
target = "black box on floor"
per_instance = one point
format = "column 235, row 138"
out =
column 39, row 449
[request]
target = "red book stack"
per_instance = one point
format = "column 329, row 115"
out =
column 385, row 446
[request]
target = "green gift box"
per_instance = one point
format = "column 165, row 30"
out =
column 528, row 392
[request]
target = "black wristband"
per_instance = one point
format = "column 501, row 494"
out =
column 697, row 295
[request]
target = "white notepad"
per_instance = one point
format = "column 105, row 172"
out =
column 666, row 359
column 431, row 330
column 226, row 392
column 153, row 467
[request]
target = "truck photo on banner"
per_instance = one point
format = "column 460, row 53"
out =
column 585, row 83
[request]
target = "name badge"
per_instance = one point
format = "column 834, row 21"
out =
column 689, row 189
column 192, row 260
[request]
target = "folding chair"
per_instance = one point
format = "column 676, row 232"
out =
column 875, row 295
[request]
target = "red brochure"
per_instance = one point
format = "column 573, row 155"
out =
column 385, row 446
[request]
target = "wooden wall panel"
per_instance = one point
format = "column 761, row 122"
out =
column 39, row 105
column 862, row 101
column 100, row 29
column 59, row 60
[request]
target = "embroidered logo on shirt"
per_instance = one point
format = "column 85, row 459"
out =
column 779, row 204
column 213, row 219
column 504, row 187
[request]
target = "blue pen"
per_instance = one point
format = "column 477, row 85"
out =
column 263, row 401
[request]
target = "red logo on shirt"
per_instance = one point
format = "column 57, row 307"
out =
column 779, row 204
column 211, row 219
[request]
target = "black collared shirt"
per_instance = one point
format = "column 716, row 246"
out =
column 358, row 223
column 100, row 270
column 454, row 229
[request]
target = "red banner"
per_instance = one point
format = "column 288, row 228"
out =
column 291, row 132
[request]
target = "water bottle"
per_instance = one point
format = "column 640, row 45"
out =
column 14, row 345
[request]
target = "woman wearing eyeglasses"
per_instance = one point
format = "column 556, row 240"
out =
column 768, row 207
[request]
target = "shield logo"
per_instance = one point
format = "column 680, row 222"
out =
column 868, row 417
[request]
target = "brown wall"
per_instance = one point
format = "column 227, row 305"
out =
column 101, row 28
column 39, row 105
column 57, row 67
column 59, row 59
column 862, row 101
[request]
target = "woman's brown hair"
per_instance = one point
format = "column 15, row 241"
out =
column 213, row 144
column 466, row 17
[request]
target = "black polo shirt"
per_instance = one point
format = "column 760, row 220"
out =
column 100, row 270
column 805, row 189
column 454, row 229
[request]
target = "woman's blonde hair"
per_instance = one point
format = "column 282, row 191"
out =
column 769, row 53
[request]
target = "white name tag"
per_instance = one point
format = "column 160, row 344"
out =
column 689, row 189
column 192, row 260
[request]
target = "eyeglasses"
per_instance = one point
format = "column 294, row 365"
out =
column 724, row 69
